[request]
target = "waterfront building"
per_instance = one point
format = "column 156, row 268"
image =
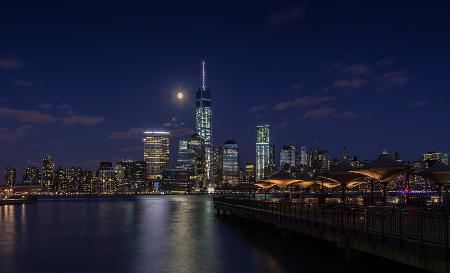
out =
column 203, row 122
column 156, row 152
column 60, row 181
column 230, row 162
column 318, row 159
column 262, row 151
column 303, row 155
column 218, row 165
column 289, row 158
column 10, row 177
column 141, row 176
column 105, row 178
column 32, row 176
column 73, row 178
column 429, row 159
column 196, row 146
column 124, row 174
column 250, row 172
column 184, row 159
column 87, row 182
column 48, row 165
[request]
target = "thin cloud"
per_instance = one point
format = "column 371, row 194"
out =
column 130, row 133
column 26, row 116
column 360, row 69
column 10, row 63
column 350, row 84
column 419, row 104
column 395, row 78
column 302, row 101
column 320, row 113
column 23, row 83
column 258, row 108
column 82, row 120
column 11, row 135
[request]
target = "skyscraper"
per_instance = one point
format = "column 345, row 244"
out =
column 230, row 162
column 303, row 155
column 250, row 172
column 48, row 164
column 106, row 179
column 262, row 151
column 218, row 165
column 10, row 177
column 32, row 176
column 196, row 147
column 156, row 152
column 289, row 157
column 203, row 121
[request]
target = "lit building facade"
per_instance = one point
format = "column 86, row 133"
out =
column 250, row 172
column 156, row 152
column 196, row 147
column 203, row 122
column 230, row 162
column 289, row 157
column 106, row 178
column 48, row 165
column 218, row 165
column 431, row 158
column 303, row 155
column 32, row 176
column 10, row 177
column 263, row 155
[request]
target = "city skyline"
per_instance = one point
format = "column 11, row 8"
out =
column 54, row 99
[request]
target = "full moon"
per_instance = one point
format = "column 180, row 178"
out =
column 180, row 95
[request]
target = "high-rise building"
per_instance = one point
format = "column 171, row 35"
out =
column 318, row 159
column 32, row 176
column 303, row 156
column 60, row 181
column 48, row 165
column 125, row 171
column 196, row 147
column 184, row 159
column 431, row 158
column 218, row 165
column 10, row 177
column 156, row 152
column 230, row 162
column 250, row 172
column 289, row 157
column 141, row 176
column 87, row 182
column 203, row 122
column 263, row 155
column 106, row 178
column 73, row 177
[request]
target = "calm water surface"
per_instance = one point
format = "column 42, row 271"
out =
column 156, row 234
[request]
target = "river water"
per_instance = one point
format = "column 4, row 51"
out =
column 158, row 234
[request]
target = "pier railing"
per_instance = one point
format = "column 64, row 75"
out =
column 424, row 227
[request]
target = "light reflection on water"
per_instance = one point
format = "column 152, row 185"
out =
column 146, row 234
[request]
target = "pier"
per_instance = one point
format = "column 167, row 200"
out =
column 416, row 238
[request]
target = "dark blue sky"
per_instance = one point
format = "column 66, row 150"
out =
column 80, row 79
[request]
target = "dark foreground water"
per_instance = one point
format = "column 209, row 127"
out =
column 158, row 234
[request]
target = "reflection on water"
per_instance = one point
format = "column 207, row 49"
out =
column 154, row 234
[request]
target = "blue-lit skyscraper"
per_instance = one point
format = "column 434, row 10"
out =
column 203, row 121
column 262, row 151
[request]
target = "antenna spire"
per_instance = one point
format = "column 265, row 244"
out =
column 203, row 76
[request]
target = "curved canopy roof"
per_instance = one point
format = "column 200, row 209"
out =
column 341, row 173
column 284, row 180
column 439, row 173
column 383, row 168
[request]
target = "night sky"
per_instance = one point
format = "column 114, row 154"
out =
column 82, row 79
